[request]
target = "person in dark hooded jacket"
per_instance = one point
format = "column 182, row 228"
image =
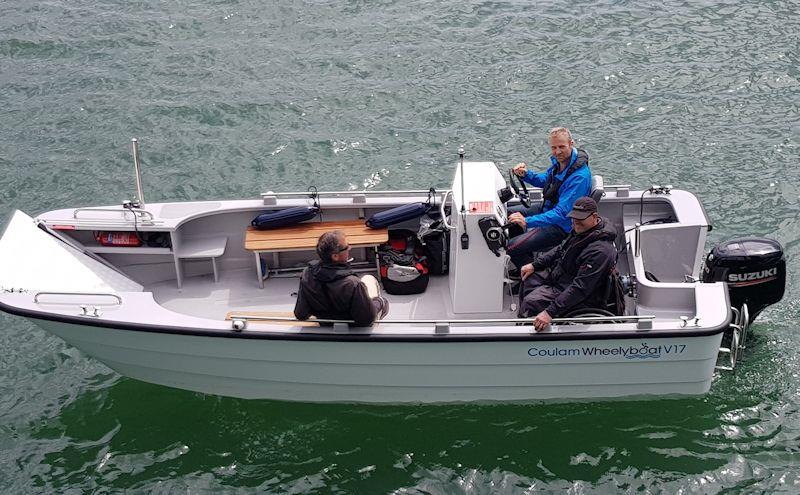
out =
column 329, row 289
column 575, row 273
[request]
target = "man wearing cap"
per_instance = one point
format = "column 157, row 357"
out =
column 574, row 274
column 567, row 179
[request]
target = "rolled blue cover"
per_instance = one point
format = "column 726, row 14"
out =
column 283, row 218
column 397, row 215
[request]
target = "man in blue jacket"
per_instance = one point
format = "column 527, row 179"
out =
column 567, row 179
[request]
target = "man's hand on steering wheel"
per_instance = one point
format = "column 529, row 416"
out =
column 514, row 177
column 520, row 169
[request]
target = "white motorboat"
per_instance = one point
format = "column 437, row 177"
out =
column 186, row 304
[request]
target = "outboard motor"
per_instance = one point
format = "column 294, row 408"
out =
column 754, row 269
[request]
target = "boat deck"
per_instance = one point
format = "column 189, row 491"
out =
column 236, row 291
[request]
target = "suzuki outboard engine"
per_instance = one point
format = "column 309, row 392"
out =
column 754, row 269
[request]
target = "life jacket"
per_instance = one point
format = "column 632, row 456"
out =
column 551, row 189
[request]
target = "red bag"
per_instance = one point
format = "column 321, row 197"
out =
column 118, row 239
column 403, row 265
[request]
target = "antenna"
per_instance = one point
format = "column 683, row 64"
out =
column 464, row 235
column 139, row 201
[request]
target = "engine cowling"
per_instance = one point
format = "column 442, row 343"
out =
column 754, row 269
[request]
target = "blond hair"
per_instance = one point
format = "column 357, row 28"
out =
column 560, row 130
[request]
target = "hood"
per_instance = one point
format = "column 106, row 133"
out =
column 328, row 272
column 607, row 228
column 603, row 230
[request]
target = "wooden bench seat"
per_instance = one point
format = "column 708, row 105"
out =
column 304, row 236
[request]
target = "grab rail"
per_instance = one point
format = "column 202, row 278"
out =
column 102, row 294
column 406, row 192
column 605, row 187
column 441, row 210
column 577, row 319
column 239, row 321
column 123, row 211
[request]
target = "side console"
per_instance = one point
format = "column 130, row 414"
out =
column 477, row 261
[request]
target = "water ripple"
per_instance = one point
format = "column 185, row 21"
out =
column 234, row 97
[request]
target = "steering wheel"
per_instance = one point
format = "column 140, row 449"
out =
column 523, row 196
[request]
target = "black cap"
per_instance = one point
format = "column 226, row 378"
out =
column 583, row 208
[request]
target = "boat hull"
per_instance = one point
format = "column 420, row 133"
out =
column 429, row 371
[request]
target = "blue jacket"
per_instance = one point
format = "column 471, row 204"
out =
column 578, row 184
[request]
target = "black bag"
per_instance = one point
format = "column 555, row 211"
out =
column 616, row 298
column 402, row 263
column 435, row 239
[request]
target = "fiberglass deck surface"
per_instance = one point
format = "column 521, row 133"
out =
column 237, row 291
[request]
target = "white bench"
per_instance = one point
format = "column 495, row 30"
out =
column 200, row 248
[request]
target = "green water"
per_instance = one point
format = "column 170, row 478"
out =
column 231, row 98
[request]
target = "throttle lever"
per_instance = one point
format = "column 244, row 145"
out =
column 493, row 234
column 512, row 229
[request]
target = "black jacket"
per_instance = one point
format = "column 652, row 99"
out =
column 580, row 268
column 331, row 291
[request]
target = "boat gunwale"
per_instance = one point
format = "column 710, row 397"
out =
column 361, row 335
column 265, row 332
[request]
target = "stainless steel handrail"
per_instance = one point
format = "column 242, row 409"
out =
column 441, row 210
column 115, row 210
column 102, row 294
column 391, row 192
column 584, row 319
column 104, row 224
column 422, row 192
column 605, row 186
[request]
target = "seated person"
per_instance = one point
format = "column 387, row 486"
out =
column 567, row 179
column 573, row 274
column 329, row 289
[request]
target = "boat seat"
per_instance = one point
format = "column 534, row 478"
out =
column 205, row 248
column 598, row 188
column 613, row 291
column 304, row 236
column 272, row 314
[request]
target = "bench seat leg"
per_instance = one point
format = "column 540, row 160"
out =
column 178, row 272
column 258, row 271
